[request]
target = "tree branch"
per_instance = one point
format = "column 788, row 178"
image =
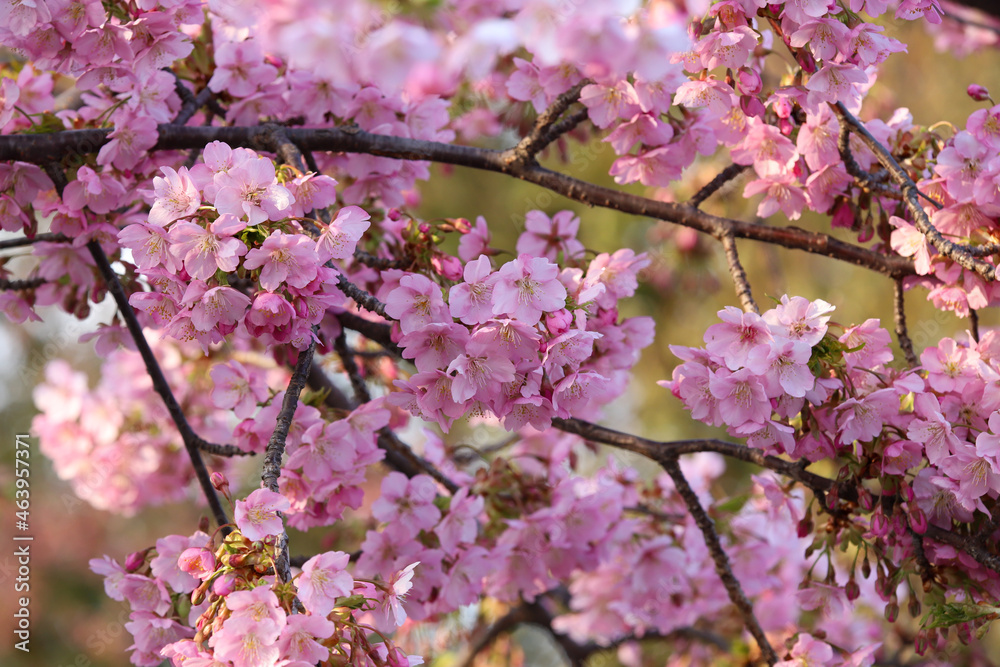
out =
column 921, row 221
column 192, row 443
column 37, row 238
column 899, row 309
column 719, row 557
column 738, row 274
column 542, row 133
column 18, row 285
column 41, row 148
column 710, row 188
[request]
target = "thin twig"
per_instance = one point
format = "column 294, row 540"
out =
column 160, row 385
column 738, row 274
column 541, row 134
column 361, row 393
column 974, row 323
column 899, row 309
column 719, row 557
column 38, row 238
column 723, row 177
column 361, row 297
column 381, row 263
column 911, row 193
column 380, row 332
column 276, row 444
column 819, row 485
column 18, row 285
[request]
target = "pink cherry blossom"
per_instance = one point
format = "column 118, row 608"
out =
column 285, row 258
column 526, row 288
column 324, row 578
column 257, row 516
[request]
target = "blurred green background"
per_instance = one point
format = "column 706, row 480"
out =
column 75, row 624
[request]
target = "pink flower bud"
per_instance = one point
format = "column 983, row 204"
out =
column 448, row 267
column 751, row 105
column 748, row 81
column 394, row 214
column 558, row 322
column 224, row 585
column 843, row 216
column 135, row 560
column 880, row 524
column 462, row 225
column 783, row 107
column 918, row 521
column 978, row 93
column 220, row 482
column 852, row 590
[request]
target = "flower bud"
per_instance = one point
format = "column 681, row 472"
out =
column 135, row 560
column 748, row 81
column 220, row 482
column 892, row 611
column 913, row 607
column 751, row 105
column 394, row 214
column 978, row 93
column 918, row 521
column 852, row 590
column 447, row 267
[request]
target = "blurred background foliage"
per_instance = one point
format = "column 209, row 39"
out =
column 75, row 625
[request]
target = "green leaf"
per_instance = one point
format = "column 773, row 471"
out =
column 952, row 613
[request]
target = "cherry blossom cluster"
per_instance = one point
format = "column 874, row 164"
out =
column 238, row 613
column 115, row 443
column 782, row 381
column 229, row 218
column 231, row 256
column 526, row 342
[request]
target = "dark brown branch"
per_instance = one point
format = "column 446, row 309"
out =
column 41, row 148
column 483, row 639
column 899, row 309
column 974, row 323
column 276, row 444
column 361, row 393
column 222, row 450
column 911, row 195
column 381, row 263
column 18, row 285
column 376, row 331
column 188, row 437
column 861, row 177
column 398, row 455
column 710, row 188
column 541, row 134
column 719, row 557
column 738, row 274
column 819, row 485
column 38, row 238
column 361, row 297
